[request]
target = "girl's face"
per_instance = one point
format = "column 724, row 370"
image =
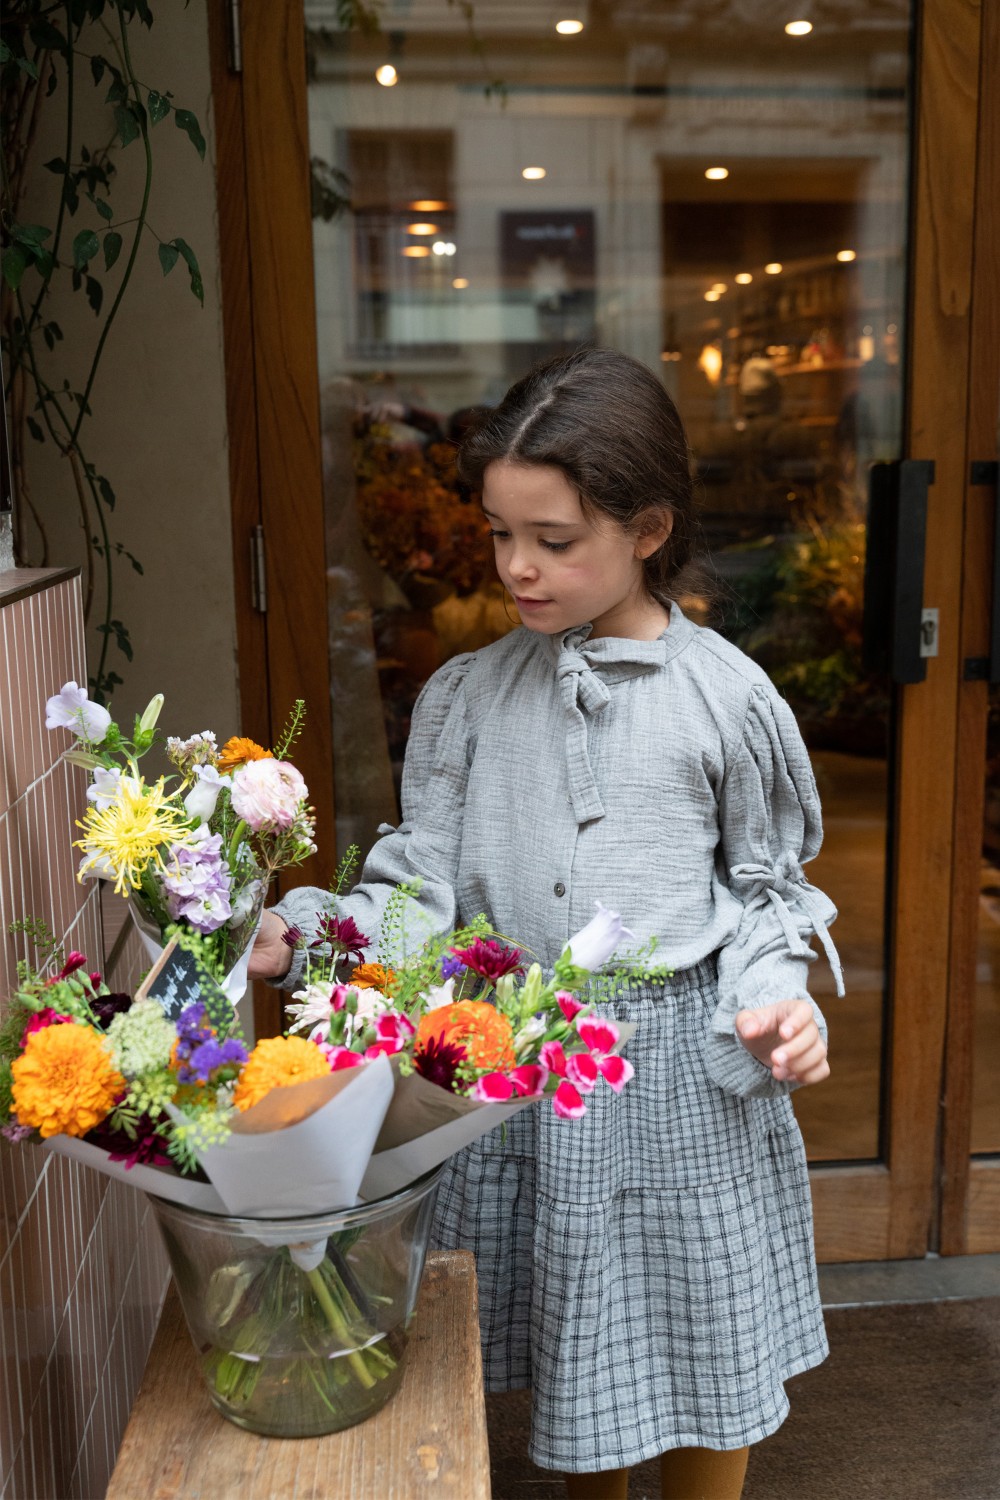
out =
column 562, row 567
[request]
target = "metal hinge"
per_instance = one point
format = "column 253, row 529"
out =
column 258, row 570
column 234, row 29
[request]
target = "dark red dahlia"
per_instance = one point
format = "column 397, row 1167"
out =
column 343, row 936
column 439, row 1062
column 149, row 1148
column 489, row 958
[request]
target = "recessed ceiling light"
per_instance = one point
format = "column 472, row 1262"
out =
column 416, row 252
column 533, row 174
column 719, row 286
column 717, row 174
column 743, row 278
column 846, row 255
column 712, row 296
column 386, row 75
column 427, row 205
column 774, row 268
column 421, row 229
column 798, row 28
column 569, row 28
column 460, row 283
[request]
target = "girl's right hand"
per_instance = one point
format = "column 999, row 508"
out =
column 270, row 958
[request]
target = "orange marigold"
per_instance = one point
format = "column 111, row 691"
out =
column 371, row 977
column 64, row 1081
column 276, row 1063
column 239, row 751
column 485, row 1034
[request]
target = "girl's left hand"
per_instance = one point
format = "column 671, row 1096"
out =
column 785, row 1038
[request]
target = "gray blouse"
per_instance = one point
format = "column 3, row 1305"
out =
column 666, row 779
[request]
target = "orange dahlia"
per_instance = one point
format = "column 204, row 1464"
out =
column 485, row 1034
column 371, row 977
column 239, row 751
column 64, row 1081
column 276, row 1063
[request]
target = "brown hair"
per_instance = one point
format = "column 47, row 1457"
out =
column 605, row 420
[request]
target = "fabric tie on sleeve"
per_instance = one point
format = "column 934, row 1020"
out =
column 783, row 881
column 582, row 691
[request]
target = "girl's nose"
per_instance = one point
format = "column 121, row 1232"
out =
column 521, row 565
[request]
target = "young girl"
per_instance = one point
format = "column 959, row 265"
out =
column 648, row 1270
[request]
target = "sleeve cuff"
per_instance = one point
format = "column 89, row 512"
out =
column 731, row 1066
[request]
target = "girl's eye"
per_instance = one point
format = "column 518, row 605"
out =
column 499, row 535
column 556, row 546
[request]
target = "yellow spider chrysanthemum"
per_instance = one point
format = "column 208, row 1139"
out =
column 126, row 835
column 275, row 1063
column 64, row 1082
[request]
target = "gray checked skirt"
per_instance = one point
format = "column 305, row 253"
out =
column 648, row 1270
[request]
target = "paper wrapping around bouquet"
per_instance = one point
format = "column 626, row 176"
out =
column 233, row 986
column 163, row 1182
column 303, row 1149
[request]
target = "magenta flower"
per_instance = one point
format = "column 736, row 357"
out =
column 73, row 962
column 42, row 1018
column 529, row 1079
column 568, row 1004
column 567, row 1103
column 339, row 1057
column 291, row 936
column 343, row 935
column 581, row 1070
column 553, row 1057
column 489, row 958
column 597, row 1035
column 493, row 1088
column 616, row 1071
column 392, row 1032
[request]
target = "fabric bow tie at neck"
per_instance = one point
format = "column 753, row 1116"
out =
column 581, row 690
column 777, row 883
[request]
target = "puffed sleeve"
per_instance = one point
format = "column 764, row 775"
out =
column 770, row 825
column 427, row 841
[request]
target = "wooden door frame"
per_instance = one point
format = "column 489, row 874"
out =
column 970, row 1188
column 863, row 1211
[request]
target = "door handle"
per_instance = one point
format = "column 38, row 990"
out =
column 894, row 568
column 987, row 668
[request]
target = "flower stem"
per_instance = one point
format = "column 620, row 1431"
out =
column 339, row 1327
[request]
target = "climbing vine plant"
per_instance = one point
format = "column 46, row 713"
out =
column 50, row 54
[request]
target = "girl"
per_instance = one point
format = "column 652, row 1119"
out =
column 648, row 1271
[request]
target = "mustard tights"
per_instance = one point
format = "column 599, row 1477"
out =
column 685, row 1474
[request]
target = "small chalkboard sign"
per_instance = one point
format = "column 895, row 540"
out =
column 176, row 980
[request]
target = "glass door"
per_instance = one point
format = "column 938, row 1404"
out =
column 774, row 217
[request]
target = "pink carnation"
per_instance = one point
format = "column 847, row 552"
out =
column 42, row 1018
column 267, row 795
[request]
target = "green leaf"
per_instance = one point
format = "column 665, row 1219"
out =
column 54, row 329
column 55, row 165
column 103, row 207
column 30, row 234
column 5, row 53
column 168, row 257
column 127, row 124
column 44, row 262
column 85, row 247
column 46, row 36
column 95, row 294
column 15, row 260
column 35, row 430
column 137, row 565
column 186, row 121
column 97, row 67
column 112, row 248
column 158, row 107
column 27, row 66
column 191, row 260
column 106, row 492
column 71, row 197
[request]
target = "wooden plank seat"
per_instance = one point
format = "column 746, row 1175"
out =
column 428, row 1441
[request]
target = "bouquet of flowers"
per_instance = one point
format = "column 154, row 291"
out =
column 399, row 1067
column 196, row 849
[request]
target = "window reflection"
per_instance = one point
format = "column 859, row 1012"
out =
column 694, row 186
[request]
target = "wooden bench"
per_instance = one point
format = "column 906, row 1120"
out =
column 429, row 1441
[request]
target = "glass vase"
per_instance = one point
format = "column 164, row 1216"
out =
column 301, row 1324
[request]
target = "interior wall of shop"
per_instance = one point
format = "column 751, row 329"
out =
column 159, row 425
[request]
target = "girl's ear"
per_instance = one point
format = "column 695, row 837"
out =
column 654, row 529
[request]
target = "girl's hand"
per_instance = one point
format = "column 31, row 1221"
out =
column 270, row 958
column 786, row 1039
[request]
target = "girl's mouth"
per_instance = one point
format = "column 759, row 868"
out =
column 530, row 603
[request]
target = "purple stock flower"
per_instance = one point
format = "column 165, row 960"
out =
column 198, row 1051
column 196, row 882
column 13, row 1131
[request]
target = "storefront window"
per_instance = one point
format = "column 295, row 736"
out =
column 697, row 187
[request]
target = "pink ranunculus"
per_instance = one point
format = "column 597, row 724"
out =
column 529, row 1079
column 339, row 1057
column 553, row 1057
column 267, row 795
column 568, row 1004
column 42, row 1018
column 597, row 1035
column 616, row 1071
column 581, row 1069
column 567, row 1103
column 493, row 1088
